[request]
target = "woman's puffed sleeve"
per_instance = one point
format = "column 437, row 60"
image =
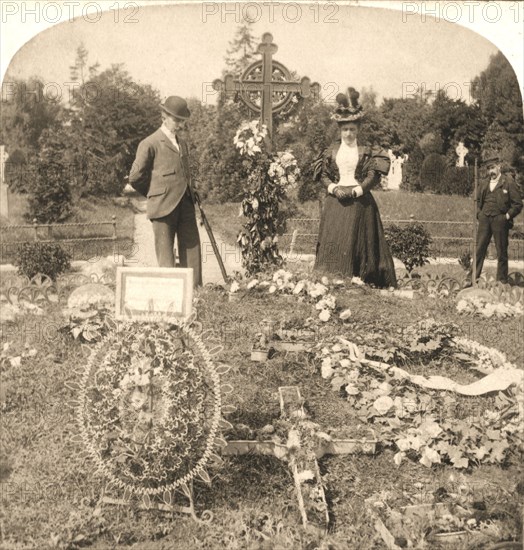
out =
column 377, row 166
column 380, row 161
column 317, row 166
column 322, row 170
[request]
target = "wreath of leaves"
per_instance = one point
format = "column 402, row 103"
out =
column 150, row 407
column 423, row 423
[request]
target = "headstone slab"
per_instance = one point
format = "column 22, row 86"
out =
column 146, row 291
column 476, row 293
column 102, row 266
column 91, row 296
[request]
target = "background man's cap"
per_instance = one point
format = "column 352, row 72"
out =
column 494, row 159
column 176, row 106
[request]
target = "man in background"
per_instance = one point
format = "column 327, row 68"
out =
column 498, row 202
column 160, row 172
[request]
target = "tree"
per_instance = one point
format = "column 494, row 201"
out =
column 27, row 110
column 499, row 99
column 411, row 171
column 221, row 169
column 454, row 121
column 201, row 124
column 50, row 198
column 241, row 51
column 102, row 136
column 431, row 143
column 307, row 134
column 432, row 172
column 80, row 70
column 368, row 98
column 405, row 121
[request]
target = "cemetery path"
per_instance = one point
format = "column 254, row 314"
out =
column 144, row 250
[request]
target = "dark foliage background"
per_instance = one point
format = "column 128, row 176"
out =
column 93, row 138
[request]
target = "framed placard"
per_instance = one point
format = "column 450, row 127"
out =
column 142, row 291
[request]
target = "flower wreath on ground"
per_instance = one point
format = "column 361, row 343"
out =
column 150, row 406
column 303, row 286
column 488, row 308
column 271, row 176
column 432, row 418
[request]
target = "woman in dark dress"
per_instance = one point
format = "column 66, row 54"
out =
column 351, row 237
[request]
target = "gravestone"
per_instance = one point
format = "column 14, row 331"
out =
column 266, row 86
column 4, row 198
column 142, row 291
column 461, row 151
column 91, row 296
column 395, row 171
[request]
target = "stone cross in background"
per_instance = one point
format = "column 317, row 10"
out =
column 461, row 151
column 266, row 87
column 4, row 199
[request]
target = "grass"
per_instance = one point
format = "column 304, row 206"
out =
column 225, row 221
column 50, row 492
column 87, row 210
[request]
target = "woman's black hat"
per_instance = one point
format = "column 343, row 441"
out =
column 348, row 109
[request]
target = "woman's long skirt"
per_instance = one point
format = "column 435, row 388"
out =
column 351, row 241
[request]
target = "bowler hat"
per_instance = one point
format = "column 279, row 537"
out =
column 176, row 106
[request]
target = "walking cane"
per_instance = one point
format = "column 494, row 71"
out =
column 474, row 261
column 205, row 223
column 211, row 238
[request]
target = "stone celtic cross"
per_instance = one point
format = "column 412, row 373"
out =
column 266, row 86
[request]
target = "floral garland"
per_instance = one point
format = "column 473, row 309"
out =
column 288, row 283
column 427, row 424
column 149, row 408
column 486, row 308
column 270, row 178
column 249, row 138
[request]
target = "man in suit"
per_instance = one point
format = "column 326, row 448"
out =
column 498, row 202
column 160, row 172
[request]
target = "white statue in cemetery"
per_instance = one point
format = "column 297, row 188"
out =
column 461, row 151
column 395, row 171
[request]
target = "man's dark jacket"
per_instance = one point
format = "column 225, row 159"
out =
column 160, row 173
column 507, row 196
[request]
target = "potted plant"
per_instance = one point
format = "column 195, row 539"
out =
column 260, row 351
column 294, row 337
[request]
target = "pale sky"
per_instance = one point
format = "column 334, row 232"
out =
column 179, row 49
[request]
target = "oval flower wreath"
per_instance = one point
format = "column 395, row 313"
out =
column 150, row 407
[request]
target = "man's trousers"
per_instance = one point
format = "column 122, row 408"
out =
column 498, row 228
column 181, row 222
